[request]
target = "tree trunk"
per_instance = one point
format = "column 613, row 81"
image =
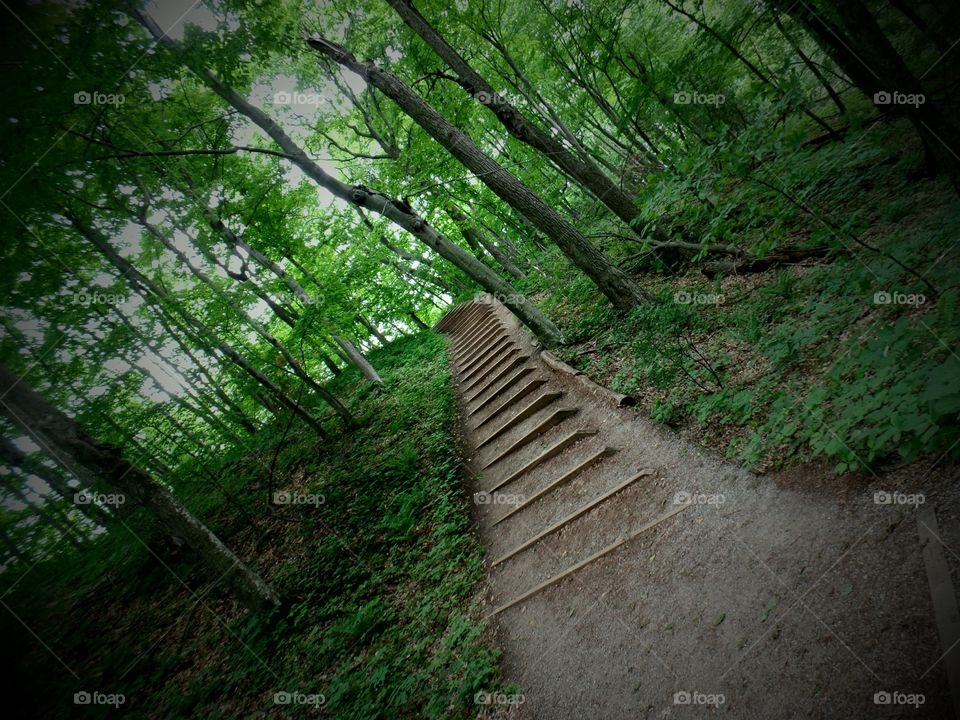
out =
column 615, row 284
column 859, row 47
column 930, row 32
column 475, row 236
column 743, row 58
column 811, row 65
column 57, row 521
column 582, row 169
column 358, row 360
column 417, row 321
column 295, row 287
column 232, row 406
column 196, row 453
column 13, row 550
column 128, row 271
column 372, row 329
column 258, row 327
column 396, row 211
column 37, row 417
column 331, row 365
column 16, row 458
column 200, row 410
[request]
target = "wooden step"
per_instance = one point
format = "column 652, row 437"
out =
column 468, row 363
column 533, row 407
column 452, row 321
column 500, row 375
column 478, row 336
column 479, row 330
column 566, row 477
column 471, row 333
column 465, row 324
column 555, row 418
column 562, row 480
column 583, row 563
column 482, row 360
column 469, row 385
column 569, row 518
column 514, row 379
column 550, row 452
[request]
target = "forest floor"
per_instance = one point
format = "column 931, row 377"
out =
column 378, row 569
column 787, row 595
column 796, row 595
column 847, row 361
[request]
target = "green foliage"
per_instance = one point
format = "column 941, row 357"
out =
column 802, row 363
column 382, row 581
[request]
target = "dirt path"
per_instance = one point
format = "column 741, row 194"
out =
column 630, row 571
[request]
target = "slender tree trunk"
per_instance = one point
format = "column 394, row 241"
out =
column 419, row 283
column 287, row 316
column 133, row 275
column 930, row 32
column 15, row 457
column 37, row 417
column 198, row 457
column 232, row 406
column 860, row 48
column 476, row 236
column 13, row 550
column 581, row 168
column 295, row 287
column 147, row 453
column 417, row 321
column 810, row 65
column 358, row 360
column 258, row 327
column 199, row 410
column 331, row 365
column 372, row 329
column 615, row 284
column 354, row 357
column 56, row 521
column 743, row 58
column 396, row 211
column 425, row 269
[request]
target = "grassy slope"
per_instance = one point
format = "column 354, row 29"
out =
column 381, row 579
column 800, row 362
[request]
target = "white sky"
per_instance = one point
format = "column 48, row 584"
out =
column 294, row 117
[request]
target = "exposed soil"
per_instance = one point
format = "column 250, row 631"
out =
column 792, row 595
